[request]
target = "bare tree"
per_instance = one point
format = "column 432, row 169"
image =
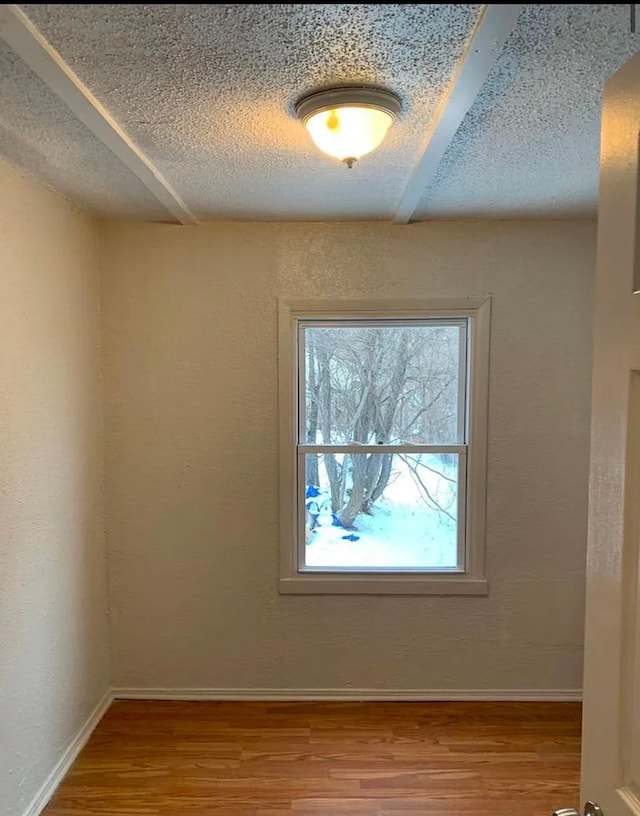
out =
column 372, row 385
column 313, row 475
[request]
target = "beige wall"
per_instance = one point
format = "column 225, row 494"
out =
column 191, row 457
column 54, row 665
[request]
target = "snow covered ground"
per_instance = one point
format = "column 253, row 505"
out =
column 404, row 531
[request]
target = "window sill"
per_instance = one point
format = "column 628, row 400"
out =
column 309, row 584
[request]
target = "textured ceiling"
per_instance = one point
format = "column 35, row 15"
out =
column 530, row 144
column 207, row 93
column 41, row 136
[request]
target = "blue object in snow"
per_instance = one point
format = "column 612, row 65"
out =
column 311, row 492
column 351, row 537
column 335, row 521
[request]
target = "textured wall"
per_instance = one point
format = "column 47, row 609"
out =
column 191, row 413
column 54, row 665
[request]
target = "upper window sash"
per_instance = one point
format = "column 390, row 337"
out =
column 319, row 339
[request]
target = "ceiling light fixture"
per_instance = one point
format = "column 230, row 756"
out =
column 348, row 123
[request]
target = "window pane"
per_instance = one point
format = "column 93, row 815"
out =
column 373, row 511
column 380, row 384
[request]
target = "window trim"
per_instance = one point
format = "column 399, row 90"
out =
column 470, row 582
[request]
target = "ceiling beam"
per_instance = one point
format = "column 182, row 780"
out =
column 491, row 30
column 24, row 38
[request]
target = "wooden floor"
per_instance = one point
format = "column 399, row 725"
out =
column 316, row 759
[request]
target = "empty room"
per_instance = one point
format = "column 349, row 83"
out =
column 319, row 399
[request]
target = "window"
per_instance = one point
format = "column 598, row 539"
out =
column 383, row 417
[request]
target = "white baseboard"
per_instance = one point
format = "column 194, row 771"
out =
column 346, row 694
column 68, row 758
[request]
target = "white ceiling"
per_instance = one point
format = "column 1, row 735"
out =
column 205, row 96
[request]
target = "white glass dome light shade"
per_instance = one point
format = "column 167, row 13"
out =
column 349, row 132
column 348, row 123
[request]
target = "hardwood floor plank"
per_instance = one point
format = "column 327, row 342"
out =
column 309, row 759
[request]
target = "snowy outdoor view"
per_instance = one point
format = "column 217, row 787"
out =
column 411, row 525
column 382, row 384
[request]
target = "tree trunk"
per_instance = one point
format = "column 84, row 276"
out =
column 374, row 468
column 334, row 474
column 353, row 507
column 334, row 471
column 380, row 472
column 383, row 480
column 312, row 396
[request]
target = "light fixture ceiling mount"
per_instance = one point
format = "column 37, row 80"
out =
column 348, row 122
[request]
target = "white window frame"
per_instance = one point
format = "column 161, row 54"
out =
column 469, row 577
